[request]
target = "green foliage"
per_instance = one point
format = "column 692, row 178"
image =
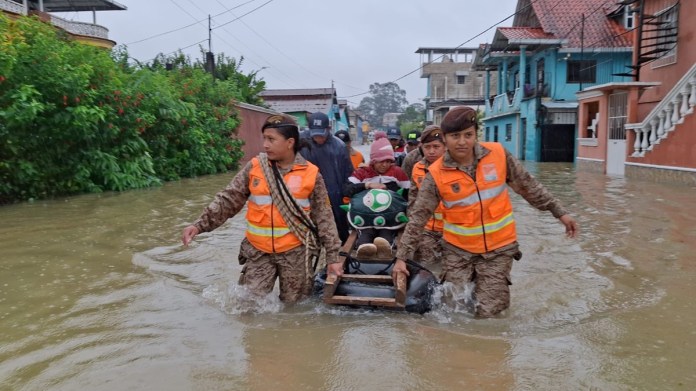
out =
column 75, row 118
column 384, row 98
column 412, row 119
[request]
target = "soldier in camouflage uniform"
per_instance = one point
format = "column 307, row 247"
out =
column 410, row 160
column 262, row 266
column 479, row 232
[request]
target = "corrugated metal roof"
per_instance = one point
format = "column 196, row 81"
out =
column 299, row 92
column 81, row 5
column 306, row 105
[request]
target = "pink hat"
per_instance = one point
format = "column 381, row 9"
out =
column 381, row 149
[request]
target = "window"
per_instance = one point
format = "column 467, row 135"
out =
column 495, row 133
column 461, row 79
column 629, row 17
column 488, row 133
column 540, row 77
column 508, row 132
column 582, row 71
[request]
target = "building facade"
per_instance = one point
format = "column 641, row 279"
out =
column 645, row 128
column 552, row 51
column 301, row 102
column 452, row 81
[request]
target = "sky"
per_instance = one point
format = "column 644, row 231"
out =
column 309, row 43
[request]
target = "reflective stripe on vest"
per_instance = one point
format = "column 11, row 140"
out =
column 266, row 229
column 435, row 223
column 477, row 213
column 474, row 198
column 267, row 200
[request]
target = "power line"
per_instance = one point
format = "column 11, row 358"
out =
column 460, row 45
column 188, row 25
column 243, row 15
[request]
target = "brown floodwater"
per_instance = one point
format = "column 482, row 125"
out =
column 96, row 293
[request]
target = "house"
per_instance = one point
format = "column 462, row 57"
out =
column 301, row 102
column 645, row 128
column 89, row 33
column 389, row 120
column 451, row 80
column 552, row 50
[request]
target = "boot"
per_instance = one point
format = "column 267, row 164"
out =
column 366, row 251
column 384, row 250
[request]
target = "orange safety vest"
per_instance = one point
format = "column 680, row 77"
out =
column 477, row 213
column 266, row 228
column 435, row 223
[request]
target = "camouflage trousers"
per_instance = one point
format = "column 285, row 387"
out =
column 261, row 269
column 429, row 251
column 490, row 272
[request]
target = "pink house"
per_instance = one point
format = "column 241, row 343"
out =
column 646, row 128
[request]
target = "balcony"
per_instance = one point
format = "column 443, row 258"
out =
column 504, row 104
column 89, row 32
column 12, row 7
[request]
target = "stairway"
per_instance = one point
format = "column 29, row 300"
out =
column 664, row 118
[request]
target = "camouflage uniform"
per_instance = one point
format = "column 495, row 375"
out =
column 410, row 160
column 429, row 249
column 490, row 271
column 260, row 268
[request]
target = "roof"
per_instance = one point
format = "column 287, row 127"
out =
column 426, row 50
column 81, row 5
column 517, row 33
column 562, row 21
column 299, row 92
column 305, row 105
column 560, row 105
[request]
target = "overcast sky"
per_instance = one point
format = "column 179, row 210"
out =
column 309, row 43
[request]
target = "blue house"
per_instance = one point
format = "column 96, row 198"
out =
column 553, row 50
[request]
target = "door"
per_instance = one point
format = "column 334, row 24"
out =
column 616, row 143
column 557, row 143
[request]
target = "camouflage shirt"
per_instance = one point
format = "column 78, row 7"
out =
column 428, row 197
column 231, row 200
column 410, row 160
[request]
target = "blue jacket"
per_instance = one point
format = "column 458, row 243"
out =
column 335, row 166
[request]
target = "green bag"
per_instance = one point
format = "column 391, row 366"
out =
column 380, row 209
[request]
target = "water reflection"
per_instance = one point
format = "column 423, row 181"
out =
column 96, row 293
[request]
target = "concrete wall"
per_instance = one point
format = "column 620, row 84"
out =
column 249, row 130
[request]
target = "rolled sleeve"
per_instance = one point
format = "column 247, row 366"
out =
column 427, row 201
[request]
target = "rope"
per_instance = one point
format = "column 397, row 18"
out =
column 295, row 217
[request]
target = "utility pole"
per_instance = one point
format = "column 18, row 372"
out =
column 209, row 57
column 582, row 49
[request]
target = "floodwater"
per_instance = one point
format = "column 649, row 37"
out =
column 96, row 293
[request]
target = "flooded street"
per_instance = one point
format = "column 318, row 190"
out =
column 96, row 293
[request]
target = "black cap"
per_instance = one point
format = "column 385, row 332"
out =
column 318, row 123
column 393, row 134
column 413, row 137
column 343, row 135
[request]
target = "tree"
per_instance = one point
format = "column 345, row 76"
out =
column 384, row 98
column 412, row 119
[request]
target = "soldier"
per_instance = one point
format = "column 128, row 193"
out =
column 277, row 184
column 433, row 147
column 480, row 240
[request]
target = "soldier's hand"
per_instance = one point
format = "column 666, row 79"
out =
column 571, row 226
column 188, row 234
column 335, row 268
column 399, row 267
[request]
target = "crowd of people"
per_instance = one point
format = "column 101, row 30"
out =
column 457, row 189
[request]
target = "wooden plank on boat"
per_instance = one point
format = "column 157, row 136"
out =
column 367, row 278
column 365, row 301
column 330, row 286
column 400, row 289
